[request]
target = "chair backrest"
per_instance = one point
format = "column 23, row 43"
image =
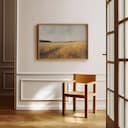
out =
column 84, row 78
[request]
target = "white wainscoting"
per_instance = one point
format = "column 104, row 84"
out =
column 44, row 92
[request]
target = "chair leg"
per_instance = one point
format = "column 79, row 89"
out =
column 74, row 104
column 94, row 98
column 63, row 100
column 63, row 105
column 74, row 99
column 86, row 102
column 94, row 104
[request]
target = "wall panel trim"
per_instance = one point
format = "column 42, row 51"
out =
column 4, row 36
column 21, row 98
column 4, row 81
column 23, row 101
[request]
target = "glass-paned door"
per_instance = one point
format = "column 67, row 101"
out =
column 110, row 63
column 123, row 63
column 117, row 63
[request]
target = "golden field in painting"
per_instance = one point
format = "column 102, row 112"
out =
column 66, row 50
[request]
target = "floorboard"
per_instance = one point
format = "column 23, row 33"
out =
column 50, row 119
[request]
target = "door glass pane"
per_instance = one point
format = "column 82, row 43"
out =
column 108, row 47
column 121, row 41
column 126, row 114
column 121, row 9
column 111, row 76
column 111, row 105
column 121, row 78
column 111, row 48
column 108, row 18
column 121, row 113
column 108, row 103
column 126, row 81
column 126, row 8
column 108, row 77
column 111, row 15
column 126, row 39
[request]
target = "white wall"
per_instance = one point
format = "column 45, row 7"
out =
column 33, row 12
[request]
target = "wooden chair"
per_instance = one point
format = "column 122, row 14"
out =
column 86, row 80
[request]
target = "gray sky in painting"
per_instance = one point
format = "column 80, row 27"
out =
column 56, row 33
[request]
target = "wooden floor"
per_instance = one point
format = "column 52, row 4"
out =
column 50, row 119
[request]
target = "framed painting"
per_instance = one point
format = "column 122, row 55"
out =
column 62, row 41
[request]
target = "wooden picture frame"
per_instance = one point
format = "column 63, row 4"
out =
column 62, row 41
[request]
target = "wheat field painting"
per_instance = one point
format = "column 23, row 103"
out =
column 63, row 41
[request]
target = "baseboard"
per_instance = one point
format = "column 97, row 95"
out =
column 100, row 105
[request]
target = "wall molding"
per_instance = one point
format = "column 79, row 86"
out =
column 44, row 73
column 4, row 81
column 56, row 73
column 4, row 60
column 101, row 79
column 23, row 99
column 27, row 103
column 7, row 67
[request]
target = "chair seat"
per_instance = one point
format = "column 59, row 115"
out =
column 78, row 93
